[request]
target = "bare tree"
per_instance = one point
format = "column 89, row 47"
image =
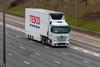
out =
column 86, row 2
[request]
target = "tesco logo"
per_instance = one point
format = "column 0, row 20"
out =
column 35, row 19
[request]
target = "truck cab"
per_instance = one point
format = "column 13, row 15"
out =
column 59, row 33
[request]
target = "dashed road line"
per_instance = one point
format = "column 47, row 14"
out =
column 10, row 54
column 26, row 62
column 46, row 47
column 86, row 51
column 18, row 36
column 37, row 54
column 86, row 61
column 97, row 54
column 64, row 53
column 7, row 32
column 14, row 21
column 8, row 41
column 30, row 41
column 22, row 47
column 75, row 47
column 13, row 27
column 57, row 62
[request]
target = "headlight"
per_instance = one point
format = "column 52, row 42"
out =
column 55, row 41
column 67, row 41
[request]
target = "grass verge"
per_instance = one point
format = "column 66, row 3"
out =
column 17, row 11
column 88, row 25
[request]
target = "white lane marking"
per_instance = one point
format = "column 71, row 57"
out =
column 64, row 53
column 22, row 47
column 6, row 32
column 86, row 51
column 14, row 21
column 86, row 61
column 75, row 47
column 96, row 54
column 46, row 47
column 18, row 36
column 37, row 54
column 13, row 27
column 10, row 54
column 93, row 53
column 26, row 62
column 30, row 41
column 57, row 62
column 8, row 41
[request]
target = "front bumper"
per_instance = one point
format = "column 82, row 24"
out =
column 60, row 44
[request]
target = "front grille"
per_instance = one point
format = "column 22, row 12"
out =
column 61, row 38
column 61, row 43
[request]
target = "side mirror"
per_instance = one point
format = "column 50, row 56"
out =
column 47, row 33
column 51, row 29
column 69, row 28
column 50, row 22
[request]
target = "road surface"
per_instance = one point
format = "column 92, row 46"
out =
column 83, row 51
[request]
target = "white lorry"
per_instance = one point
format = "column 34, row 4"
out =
column 46, row 26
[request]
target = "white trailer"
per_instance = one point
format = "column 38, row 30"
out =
column 46, row 26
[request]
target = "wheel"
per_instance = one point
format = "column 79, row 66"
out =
column 46, row 41
column 49, row 42
column 43, row 41
column 29, row 37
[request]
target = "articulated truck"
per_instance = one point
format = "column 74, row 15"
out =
column 46, row 26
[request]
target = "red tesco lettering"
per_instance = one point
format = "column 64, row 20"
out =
column 35, row 19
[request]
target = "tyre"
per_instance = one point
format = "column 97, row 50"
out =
column 43, row 40
column 46, row 41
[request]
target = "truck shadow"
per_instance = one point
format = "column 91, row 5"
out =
column 47, row 45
